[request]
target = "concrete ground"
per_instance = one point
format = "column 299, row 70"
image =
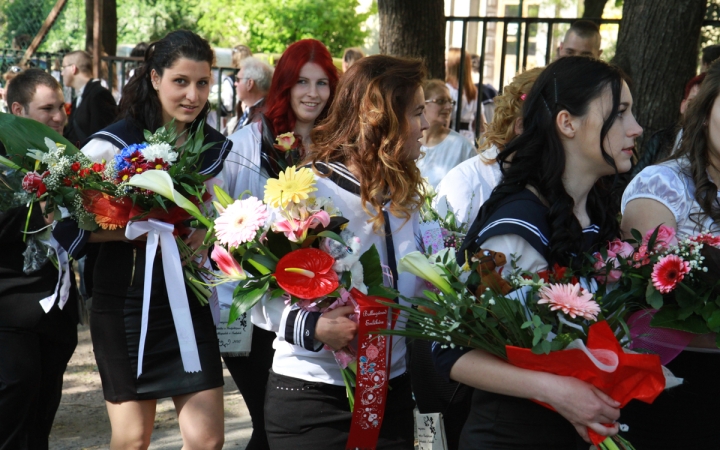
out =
column 82, row 422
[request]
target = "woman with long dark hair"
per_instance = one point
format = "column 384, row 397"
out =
column 302, row 89
column 551, row 205
column 364, row 155
column 172, row 85
column 682, row 193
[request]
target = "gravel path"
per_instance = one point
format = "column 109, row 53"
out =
column 82, row 422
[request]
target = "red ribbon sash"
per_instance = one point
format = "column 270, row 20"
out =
column 373, row 370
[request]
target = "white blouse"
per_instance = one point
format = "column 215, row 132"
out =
column 438, row 160
column 670, row 184
column 467, row 186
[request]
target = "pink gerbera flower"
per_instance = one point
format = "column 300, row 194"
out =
column 240, row 221
column 571, row 299
column 668, row 272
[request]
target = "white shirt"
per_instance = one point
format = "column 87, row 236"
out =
column 297, row 362
column 468, row 185
column 438, row 160
column 670, row 184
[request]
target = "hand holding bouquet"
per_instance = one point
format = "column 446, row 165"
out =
column 549, row 323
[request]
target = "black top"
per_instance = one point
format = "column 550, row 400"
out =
column 96, row 111
column 123, row 134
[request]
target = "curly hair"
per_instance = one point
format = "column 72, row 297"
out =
column 278, row 109
column 536, row 158
column 508, row 108
column 695, row 145
column 366, row 129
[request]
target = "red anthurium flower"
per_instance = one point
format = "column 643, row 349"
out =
column 307, row 273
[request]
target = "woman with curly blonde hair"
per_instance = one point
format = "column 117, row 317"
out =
column 475, row 178
column 364, row 156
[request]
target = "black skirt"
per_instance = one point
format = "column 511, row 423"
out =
column 502, row 422
column 115, row 319
column 685, row 416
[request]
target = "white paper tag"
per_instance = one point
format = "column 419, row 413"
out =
column 235, row 340
column 430, row 431
column 432, row 236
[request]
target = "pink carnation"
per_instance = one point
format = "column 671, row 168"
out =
column 668, row 272
column 571, row 299
column 240, row 221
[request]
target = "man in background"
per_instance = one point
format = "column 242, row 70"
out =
column 35, row 344
column 582, row 39
column 94, row 107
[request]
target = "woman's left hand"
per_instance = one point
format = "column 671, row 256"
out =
column 196, row 243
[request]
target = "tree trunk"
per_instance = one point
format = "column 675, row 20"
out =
column 658, row 48
column 109, row 36
column 594, row 8
column 414, row 29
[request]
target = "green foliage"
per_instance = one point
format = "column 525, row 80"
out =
column 149, row 20
column 25, row 17
column 269, row 26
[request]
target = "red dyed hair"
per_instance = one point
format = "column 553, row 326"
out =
column 278, row 109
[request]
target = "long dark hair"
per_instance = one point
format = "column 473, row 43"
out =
column 695, row 145
column 140, row 103
column 537, row 158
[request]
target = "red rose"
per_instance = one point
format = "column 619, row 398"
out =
column 84, row 172
column 67, row 182
column 97, row 167
column 75, row 166
column 32, row 182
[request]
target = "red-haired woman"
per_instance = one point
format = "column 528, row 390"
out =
column 300, row 94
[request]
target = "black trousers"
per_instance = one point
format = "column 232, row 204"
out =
column 685, row 416
column 303, row 415
column 250, row 374
column 32, row 364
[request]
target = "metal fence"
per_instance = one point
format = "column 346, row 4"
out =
column 522, row 38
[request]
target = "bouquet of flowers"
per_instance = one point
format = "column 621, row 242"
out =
column 439, row 227
column 676, row 279
column 548, row 322
column 294, row 248
column 20, row 185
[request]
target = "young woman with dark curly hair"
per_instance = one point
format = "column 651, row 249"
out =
column 551, row 205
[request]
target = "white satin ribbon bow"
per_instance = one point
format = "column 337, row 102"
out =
column 62, row 288
column 179, row 305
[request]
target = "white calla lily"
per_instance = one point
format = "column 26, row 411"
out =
column 160, row 182
column 417, row 264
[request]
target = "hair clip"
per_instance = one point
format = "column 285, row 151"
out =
column 523, row 97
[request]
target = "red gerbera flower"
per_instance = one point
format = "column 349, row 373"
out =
column 668, row 272
column 306, row 273
column 135, row 157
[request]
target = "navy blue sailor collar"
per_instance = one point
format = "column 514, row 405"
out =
column 123, row 133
